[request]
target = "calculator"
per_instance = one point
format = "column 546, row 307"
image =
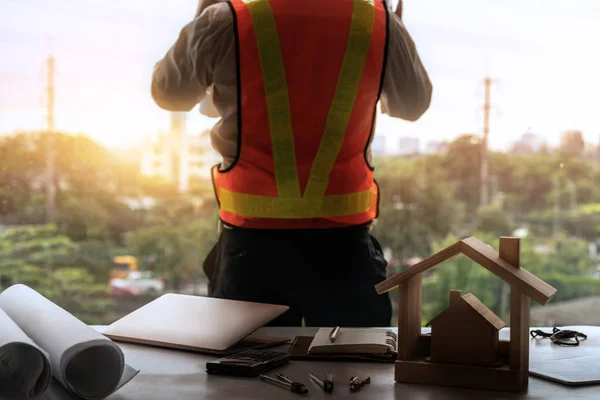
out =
column 248, row 363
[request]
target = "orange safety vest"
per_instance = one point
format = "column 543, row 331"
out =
column 309, row 78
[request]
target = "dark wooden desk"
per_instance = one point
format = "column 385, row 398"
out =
column 178, row 375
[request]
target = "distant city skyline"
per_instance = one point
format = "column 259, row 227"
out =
column 539, row 53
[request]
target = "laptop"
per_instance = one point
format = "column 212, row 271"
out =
column 195, row 323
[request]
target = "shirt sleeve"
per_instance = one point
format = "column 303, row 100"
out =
column 180, row 79
column 407, row 90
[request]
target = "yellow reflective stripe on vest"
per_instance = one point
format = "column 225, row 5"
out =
column 276, row 93
column 249, row 205
column 357, row 48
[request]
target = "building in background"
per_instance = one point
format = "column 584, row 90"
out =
column 155, row 160
column 528, row 143
column 437, row 146
column 409, row 146
column 201, row 157
column 379, row 145
column 179, row 157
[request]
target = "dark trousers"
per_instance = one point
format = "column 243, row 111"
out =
column 325, row 276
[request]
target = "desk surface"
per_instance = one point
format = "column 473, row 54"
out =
column 179, row 375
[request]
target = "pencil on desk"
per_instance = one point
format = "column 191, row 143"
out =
column 334, row 333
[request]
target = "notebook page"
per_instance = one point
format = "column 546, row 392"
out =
column 351, row 337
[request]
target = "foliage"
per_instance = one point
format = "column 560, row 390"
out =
column 41, row 258
column 87, row 178
column 563, row 263
column 104, row 208
column 461, row 273
column 175, row 252
column 494, row 220
column 571, row 287
column 416, row 207
column 462, row 165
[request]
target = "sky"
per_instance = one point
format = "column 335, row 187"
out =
column 539, row 53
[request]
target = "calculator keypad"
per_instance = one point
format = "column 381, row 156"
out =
column 256, row 355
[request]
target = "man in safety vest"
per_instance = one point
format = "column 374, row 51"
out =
column 296, row 84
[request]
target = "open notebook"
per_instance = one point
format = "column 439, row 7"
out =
column 372, row 341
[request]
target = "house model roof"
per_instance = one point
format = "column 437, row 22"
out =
column 473, row 302
column 485, row 256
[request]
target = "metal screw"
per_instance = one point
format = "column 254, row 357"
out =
column 355, row 384
column 327, row 385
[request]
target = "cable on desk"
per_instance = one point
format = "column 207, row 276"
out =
column 558, row 335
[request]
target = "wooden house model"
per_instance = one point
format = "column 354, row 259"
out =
column 417, row 353
column 467, row 332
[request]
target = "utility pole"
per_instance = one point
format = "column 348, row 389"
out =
column 573, row 206
column 50, row 189
column 485, row 179
column 556, row 212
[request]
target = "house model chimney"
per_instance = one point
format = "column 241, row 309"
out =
column 455, row 295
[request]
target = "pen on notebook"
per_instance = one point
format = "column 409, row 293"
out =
column 334, row 333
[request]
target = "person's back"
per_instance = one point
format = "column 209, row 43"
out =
column 298, row 196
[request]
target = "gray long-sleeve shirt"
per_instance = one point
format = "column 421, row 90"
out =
column 203, row 57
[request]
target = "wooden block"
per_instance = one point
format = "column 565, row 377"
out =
column 526, row 282
column 455, row 295
column 409, row 317
column 509, row 250
column 425, row 347
column 519, row 314
column 519, row 334
column 418, row 268
column 453, row 343
column 463, row 376
column 485, row 312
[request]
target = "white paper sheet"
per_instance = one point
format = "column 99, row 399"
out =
column 24, row 367
column 88, row 364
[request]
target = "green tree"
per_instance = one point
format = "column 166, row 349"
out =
column 87, row 179
column 417, row 206
column 175, row 252
column 39, row 257
column 462, row 164
column 460, row 273
column 493, row 219
column 563, row 263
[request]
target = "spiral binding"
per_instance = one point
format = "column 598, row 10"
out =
column 393, row 341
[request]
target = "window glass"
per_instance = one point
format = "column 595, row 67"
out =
column 92, row 169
